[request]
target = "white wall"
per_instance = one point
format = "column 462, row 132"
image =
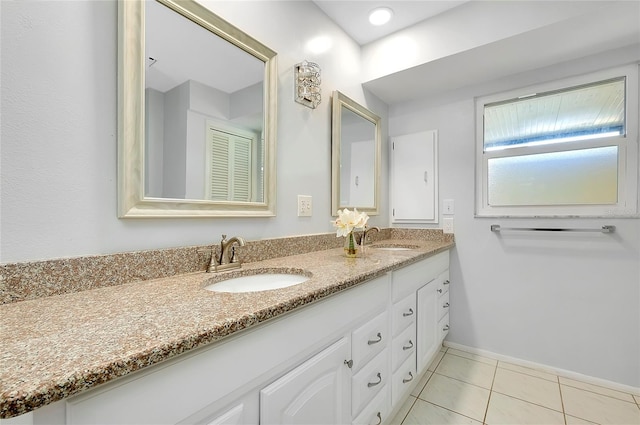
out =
column 570, row 301
column 58, row 165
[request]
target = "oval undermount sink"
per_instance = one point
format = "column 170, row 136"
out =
column 394, row 247
column 257, row 280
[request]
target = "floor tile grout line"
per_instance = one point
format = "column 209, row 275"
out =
column 446, row 408
column 560, row 377
column 460, row 380
column 409, row 410
column 556, row 380
column 486, row 409
column 528, row 374
column 479, row 361
column 564, row 412
column 604, row 395
column 529, row 401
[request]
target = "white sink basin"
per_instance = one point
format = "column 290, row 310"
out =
column 394, row 247
column 257, row 281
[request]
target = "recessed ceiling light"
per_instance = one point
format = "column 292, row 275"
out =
column 380, row 16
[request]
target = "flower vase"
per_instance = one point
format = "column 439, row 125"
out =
column 350, row 246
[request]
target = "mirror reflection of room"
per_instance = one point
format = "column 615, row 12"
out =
column 356, row 154
column 204, row 113
column 357, row 160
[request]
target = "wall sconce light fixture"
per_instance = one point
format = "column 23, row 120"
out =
column 307, row 84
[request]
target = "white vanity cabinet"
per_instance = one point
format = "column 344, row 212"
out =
column 416, row 319
column 349, row 358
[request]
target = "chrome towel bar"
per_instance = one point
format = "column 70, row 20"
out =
column 603, row 229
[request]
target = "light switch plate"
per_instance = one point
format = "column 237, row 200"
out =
column 304, row 206
column 448, row 206
column 447, row 224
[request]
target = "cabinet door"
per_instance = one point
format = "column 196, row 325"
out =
column 427, row 325
column 414, row 175
column 316, row 392
column 232, row 416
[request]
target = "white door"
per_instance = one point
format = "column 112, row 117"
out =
column 427, row 325
column 316, row 392
column 414, row 179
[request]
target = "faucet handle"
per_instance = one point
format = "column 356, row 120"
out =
column 234, row 257
column 224, row 237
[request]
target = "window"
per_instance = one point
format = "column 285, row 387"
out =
column 568, row 148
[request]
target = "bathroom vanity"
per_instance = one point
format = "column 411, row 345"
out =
column 346, row 346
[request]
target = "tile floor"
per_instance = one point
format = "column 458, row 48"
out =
column 463, row 388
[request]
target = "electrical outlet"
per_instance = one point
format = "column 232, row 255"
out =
column 447, row 205
column 447, row 224
column 304, row 206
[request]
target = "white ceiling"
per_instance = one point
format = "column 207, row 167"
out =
column 353, row 15
column 614, row 27
column 166, row 35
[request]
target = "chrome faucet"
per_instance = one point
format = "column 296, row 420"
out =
column 363, row 237
column 226, row 261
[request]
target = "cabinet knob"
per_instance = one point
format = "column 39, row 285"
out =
column 440, row 291
column 375, row 341
column 404, row 381
column 446, row 328
column 409, row 313
column 445, row 305
column 349, row 363
column 446, row 282
column 408, row 347
column 373, row 384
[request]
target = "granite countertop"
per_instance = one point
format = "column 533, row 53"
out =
column 61, row 345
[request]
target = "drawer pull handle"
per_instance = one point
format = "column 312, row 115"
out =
column 446, row 282
column 375, row 341
column 373, row 384
column 446, row 328
column 349, row 363
column 379, row 418
column 445, row 305
column 404, row 381
column 410, row 313
column 409, row 347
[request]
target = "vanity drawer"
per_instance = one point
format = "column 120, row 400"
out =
column 403, row 379
column 404, row 313
column 378, row 410
column 369, row 339
column 443, row 305
column 404, row 345
column 443, row 283
column 443, row 326
column 366, row 383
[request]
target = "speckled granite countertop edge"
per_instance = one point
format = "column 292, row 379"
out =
column 46, row 356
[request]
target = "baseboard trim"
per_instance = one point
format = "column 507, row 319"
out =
column 560, row 372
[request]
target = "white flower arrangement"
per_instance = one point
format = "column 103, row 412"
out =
column 345, row 224
column 347, row 221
